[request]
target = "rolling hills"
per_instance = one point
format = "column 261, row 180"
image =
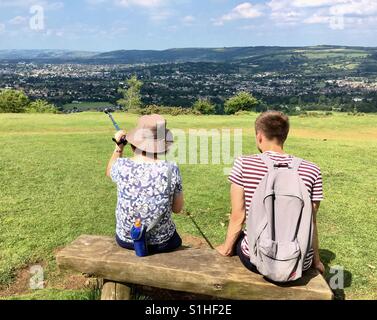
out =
column 235, row 54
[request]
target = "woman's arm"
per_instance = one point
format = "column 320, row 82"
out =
column 237, row 220
column 118, row 152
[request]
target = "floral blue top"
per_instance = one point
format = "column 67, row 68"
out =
column 143, row 192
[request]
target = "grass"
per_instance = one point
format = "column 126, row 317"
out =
column 53, row 189
column 53, row 294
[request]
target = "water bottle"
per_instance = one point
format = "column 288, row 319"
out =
column 138, row 235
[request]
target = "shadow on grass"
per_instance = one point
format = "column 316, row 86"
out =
column 327, row 257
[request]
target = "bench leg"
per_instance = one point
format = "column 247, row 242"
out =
column 115, row 291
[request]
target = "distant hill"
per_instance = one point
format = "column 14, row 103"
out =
column 27, row 55
column 187, row 55
column 234, row 54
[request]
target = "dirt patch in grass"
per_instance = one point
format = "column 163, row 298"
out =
column 65, row 281
column 21, row 285
column 194, row 242
column 73, row 282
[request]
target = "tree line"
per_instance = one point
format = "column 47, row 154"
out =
column 246, row 102
column 132, row 101
column 15, row 101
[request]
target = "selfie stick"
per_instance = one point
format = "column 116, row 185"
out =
column 108, row 112
column 200, row 231
column 117, row 128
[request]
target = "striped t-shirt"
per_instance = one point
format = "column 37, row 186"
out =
column 248, row 172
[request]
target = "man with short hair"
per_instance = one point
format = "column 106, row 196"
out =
column 272, row 130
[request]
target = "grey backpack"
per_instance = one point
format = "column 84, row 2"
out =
column 280, row 222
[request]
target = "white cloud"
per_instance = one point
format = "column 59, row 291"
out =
column 316, row 3
column 317, row 19
column 278, row 5
column 284, row 12
column 334, row 7
column 18, row 20
column 188, row 19
column 2, row 27
column 341, row 22
column 355, row 7
column 245, row 10
column 335, row 13
column 286, row 17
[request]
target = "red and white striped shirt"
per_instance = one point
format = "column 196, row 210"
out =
column 248, row 172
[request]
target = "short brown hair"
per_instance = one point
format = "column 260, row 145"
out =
column 274, row 124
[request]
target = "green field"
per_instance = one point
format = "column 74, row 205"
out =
column 86, row 106
column 53, row 189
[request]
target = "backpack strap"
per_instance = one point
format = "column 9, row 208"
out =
column 295, row 164
column 267, row 160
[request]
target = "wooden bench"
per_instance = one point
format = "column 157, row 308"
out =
column 199, row 271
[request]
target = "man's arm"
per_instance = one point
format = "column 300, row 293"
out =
column 317, row 263
column 237, row 220
column 118, row 152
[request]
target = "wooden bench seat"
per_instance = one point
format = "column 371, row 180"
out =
column 200, row 271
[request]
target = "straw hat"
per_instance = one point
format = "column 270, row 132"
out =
column 151, row 135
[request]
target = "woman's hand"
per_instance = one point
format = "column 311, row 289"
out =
column 224, row 250
column 120, row 136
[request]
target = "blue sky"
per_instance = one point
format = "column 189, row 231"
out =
column 104, row 25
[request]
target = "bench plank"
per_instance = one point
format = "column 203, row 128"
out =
column 200, row 271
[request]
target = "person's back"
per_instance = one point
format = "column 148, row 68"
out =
column 143, row 191
column 249, row 171
column 271, row 130
column 149, row 189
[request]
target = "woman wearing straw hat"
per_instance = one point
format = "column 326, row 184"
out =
column 149, row 189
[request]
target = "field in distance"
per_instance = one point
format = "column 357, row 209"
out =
column 87, row 106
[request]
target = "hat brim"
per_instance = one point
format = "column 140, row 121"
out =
column 149, row 145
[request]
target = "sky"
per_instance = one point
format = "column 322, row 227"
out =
column 106, row 25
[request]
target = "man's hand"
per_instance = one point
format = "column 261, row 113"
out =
column 224, row 250
column 236, row 221
column 119, row 136
column 318, row 265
